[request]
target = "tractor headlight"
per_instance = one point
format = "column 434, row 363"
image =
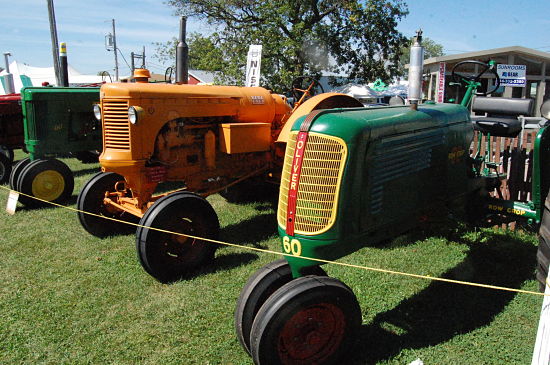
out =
column 97, row 112
column 134, row 113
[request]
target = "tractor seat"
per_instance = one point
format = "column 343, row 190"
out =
column 502, row 115
column 500, row 127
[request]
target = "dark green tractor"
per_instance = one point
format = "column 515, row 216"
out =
column 360, row 176
column 58, row 122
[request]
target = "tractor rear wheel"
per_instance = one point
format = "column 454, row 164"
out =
column 543, row 252
column 257, row 289
column 310, row 320
column 5, row 168
column 90, row 200
column 49, row 180
column 16, row 172
column 167, row 256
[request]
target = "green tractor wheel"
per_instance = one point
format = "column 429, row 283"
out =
column 310, row 320
column 258, row 288
column 90, row 200
column 169, row 257
column 49, row 180
column 16, row 172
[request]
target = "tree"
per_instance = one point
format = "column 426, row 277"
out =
column 431, row 49
column 203, row 53
column 303, row 37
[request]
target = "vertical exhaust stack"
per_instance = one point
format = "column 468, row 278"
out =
column 8, row 77
column 416, row 66
column 64, row 68
column 182, row 54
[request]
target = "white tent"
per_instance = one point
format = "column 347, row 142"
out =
column 38, row 75
column 362, row 92
column 357, row 91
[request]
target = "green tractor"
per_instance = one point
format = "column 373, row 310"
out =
column 58, row 122
column 360, row 176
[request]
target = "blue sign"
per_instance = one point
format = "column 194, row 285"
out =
column 512, row 75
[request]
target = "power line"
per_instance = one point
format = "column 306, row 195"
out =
column 156, row 64
column 124, row 58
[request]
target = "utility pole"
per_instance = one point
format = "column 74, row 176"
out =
column 143, row 58
column 115, row 50
column 134, row 56
column 55, row 43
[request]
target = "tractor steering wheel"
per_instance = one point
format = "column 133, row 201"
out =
column 168, row 75
column 468, row 80
column 304, row 87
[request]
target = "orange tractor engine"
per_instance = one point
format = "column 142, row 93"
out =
column 208, row 137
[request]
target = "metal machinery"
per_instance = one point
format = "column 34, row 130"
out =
column 58, row 121
column 208, row 137
column 11, row 132
column 357, row 177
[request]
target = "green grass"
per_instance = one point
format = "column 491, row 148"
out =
column 68, row 297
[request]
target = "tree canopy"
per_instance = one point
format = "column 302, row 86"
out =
column 357, row 39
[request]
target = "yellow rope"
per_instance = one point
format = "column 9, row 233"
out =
column 367, row 268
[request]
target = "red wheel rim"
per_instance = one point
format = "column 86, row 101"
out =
column 179, row 247
column 312, row 334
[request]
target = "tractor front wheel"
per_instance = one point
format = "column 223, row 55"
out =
column 258, row 288
column 171, row 256
column 90, row 200
column 49, row 180
column 310, row 320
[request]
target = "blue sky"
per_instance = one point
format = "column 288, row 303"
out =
column 460, row 26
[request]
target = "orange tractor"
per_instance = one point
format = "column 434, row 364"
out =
column 208, row 137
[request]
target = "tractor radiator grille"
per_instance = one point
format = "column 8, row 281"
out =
column 321, row 173
column 116, row 127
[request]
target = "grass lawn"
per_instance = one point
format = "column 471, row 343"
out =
column 68, row 297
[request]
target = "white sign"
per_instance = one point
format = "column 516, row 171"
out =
column 253, row 63
column 12, row 202
column 512, row 75
column 541, row 354
column 441, row 83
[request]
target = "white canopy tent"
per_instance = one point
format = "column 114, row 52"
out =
column 357, row 91
column 368, row 95
column 23, row 74
column 368, row 92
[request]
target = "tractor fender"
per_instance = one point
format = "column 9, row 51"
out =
column 321, row 101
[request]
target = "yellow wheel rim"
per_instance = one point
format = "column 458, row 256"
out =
column 48, row 185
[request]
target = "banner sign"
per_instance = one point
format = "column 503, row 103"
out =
column 440, row 98
column 512, row 75
column 253, row 63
